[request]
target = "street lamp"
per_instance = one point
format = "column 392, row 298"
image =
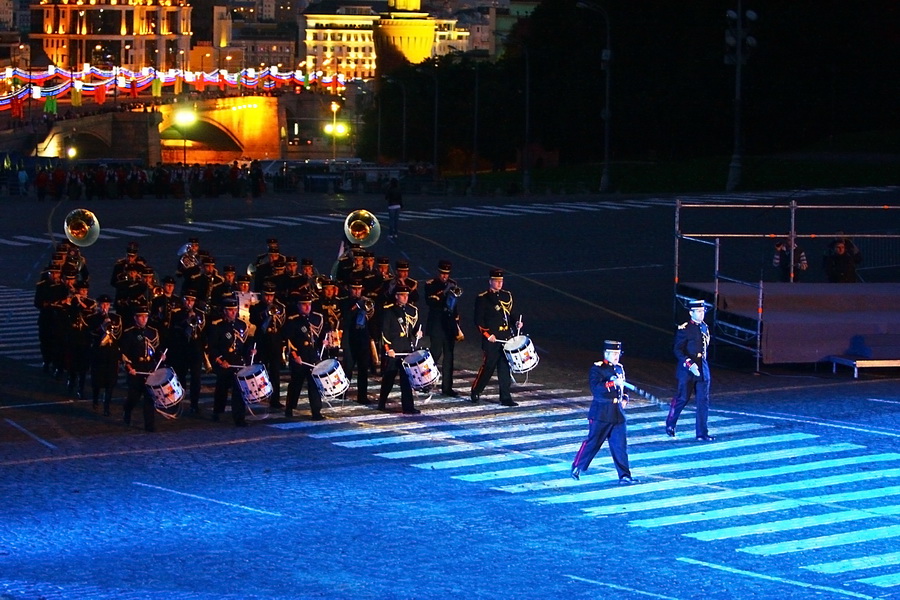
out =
column 739, row 45
column 606, row 65
column 184, row 118
column 334, row 110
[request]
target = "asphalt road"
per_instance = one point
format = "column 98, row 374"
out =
column 795, row 498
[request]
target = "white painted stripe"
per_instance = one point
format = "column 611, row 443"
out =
column 433, row 451
column 655, row 438
column 156, row 229
column 267, row 220
column 891, row 580
column 124, row 232
column 520, row 472
column 194, row 227
column 743, row 459
column 31, row 435
column 843, row 516
column 28, row 238
column 802, row 484
column 752, row 509
column 715, row 515
column 474, row 461
column 11, row 243
column 719, row 446
column 619, row 587
column 856, row 564
column 801, row 584
column 394, row 439
column 493, row 418
column 244, row 223
column 824, row 541
column 217, row 225
column 205, row 499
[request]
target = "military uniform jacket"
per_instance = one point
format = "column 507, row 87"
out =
column 492, row 314
column 188, row 328
column 105, row 330
column 400, row 327
column 139, row 346
column 440, row 314
column 229, row 341
column 353, row 315
column 49, row 295
column 691, row 343
column 303, row 335
column 606, row 405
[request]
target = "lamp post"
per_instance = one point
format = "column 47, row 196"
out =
column 606, row 65
column 184, row 118
column 739, row 44
column 334, row 110
column 475, row 134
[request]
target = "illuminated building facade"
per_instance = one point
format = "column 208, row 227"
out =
column 105, row 33
column 343, row 41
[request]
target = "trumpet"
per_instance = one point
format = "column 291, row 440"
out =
column 454, row 290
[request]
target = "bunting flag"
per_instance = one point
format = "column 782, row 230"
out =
column 50, row 105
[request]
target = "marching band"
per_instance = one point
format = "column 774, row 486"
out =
column 322, row 331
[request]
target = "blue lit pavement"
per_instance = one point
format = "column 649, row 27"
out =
column 465, row 501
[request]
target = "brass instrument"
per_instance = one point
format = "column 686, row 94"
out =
column 361, row 227
column 82, row 227
column 454, row 290
column 318, row 282
column 188, row 259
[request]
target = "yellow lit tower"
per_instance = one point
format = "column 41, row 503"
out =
column 405, row 29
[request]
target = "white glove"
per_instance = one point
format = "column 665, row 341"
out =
column 695, row 370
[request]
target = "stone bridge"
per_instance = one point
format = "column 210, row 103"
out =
column 221, row 130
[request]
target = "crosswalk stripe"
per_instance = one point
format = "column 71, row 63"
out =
column 856, row 564
column 802, row 484
column 408, row 438
column 247, row 222
column 717, row 479
column 473, row 461
column 752, row 509
column 824, row 541
column 273, row 220
column 195, row 228
column 718, row 447
column 422, row 425
column 758, row 457
column 842, row 516
column 217, row 225
column 124, row 232
column 156, row 229
column 892, row 580
column 28, row 238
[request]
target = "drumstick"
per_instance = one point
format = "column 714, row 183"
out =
column 519, row 330
column 161, row 358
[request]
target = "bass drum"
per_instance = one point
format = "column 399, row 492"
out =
column 520, row 354
column 330, row 378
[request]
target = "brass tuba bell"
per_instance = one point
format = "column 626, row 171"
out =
column 361, row 227
column 82, row 227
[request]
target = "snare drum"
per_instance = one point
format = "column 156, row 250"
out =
column 164, row 387
column 520, row 354
column 420, row 368
column 254, row 383
column 330, row 378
